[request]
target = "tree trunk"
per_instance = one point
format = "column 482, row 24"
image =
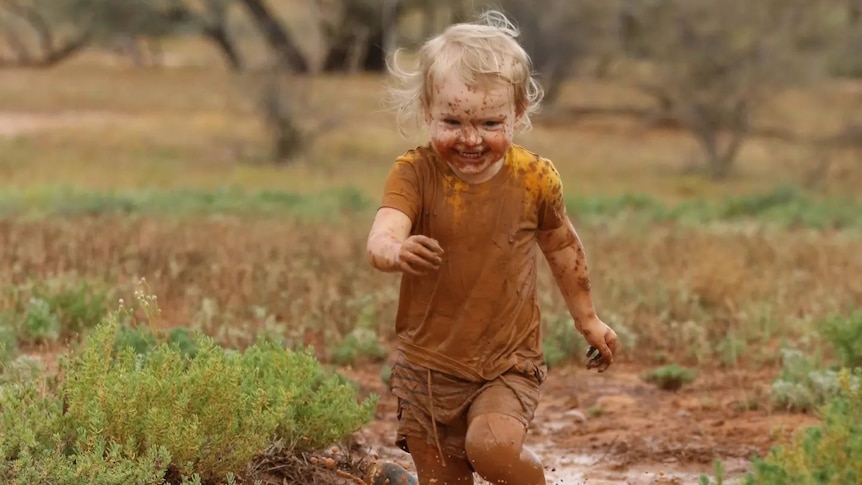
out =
column 218, row 35
column 720, row 157
column 373, row 57
column 277, row 36
column 375, row 54
column 50, row 58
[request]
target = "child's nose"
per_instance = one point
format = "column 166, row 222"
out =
column 470, row 135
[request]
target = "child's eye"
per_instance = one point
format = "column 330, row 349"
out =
column 492, row 124
column 451, row 121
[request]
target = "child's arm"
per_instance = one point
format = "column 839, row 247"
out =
column 565, row 254
column 391, row 248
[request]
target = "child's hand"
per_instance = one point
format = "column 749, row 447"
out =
column 419, row 254
column 603, row 344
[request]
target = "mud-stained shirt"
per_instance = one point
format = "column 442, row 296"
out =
column 478, row 315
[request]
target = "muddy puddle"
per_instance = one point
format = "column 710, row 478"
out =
column 577, row 469
column 588, row 469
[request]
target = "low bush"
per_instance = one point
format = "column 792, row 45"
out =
column 827, row 454
column 50, row 311
column 670, row 377
column 844, row 332
column 120, row 416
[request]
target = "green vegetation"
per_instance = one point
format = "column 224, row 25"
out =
column 844, row 333
column 190, row 202
column 120, row 416
column 825, row 454
column 830, row 453
column 805, row 383
column 51, row 310
column 670, row 377
column 782, row 207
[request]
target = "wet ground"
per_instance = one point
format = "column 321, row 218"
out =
column 614, row 428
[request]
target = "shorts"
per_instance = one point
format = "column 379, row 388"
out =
column 441, row 412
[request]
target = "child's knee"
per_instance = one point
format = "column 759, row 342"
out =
column 494, row 438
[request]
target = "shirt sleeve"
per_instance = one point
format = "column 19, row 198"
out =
column 552, row 204
column 401, row 190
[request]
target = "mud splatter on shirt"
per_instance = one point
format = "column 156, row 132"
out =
column 478, row 315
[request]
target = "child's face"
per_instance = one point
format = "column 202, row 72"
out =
column 471, row 128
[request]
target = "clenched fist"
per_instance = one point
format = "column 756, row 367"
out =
column 419, row 255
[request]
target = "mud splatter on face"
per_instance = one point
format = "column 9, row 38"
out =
column 471, row 127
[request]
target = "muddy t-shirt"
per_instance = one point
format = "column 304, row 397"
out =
column 478, row 315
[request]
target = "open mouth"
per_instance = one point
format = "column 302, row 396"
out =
column 470, row 155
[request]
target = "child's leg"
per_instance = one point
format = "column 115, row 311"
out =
column 495, row 448
column 452, row 470
column 497, row 427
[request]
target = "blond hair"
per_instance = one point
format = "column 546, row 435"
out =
column 480, row 53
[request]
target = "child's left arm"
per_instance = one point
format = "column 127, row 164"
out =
column 565, row 254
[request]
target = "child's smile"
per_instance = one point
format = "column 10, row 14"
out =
column 471, row 128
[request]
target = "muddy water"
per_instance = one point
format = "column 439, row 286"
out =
column 597, row 469
column 586, row 469
column 577, row 469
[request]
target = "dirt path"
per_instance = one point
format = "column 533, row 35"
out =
column 19, row 123
column 614, row 428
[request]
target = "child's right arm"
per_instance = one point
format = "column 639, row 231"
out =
column 391, row 247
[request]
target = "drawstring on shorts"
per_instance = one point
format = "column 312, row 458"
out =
column 434, row 421
column 434, row 414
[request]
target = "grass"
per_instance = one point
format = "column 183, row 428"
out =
column 309, row 280
column 785, row 207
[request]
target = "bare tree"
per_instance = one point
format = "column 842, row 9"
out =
column 26, row 20
column 714, row 63
column 354, row 33
column 211, row 17
column 285, row 104
column 277, row 36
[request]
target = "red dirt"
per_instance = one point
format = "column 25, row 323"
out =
column 614, row 428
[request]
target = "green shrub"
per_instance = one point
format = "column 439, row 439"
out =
column 670, row 377
column 49, row 311
column 844, row 332
column 119, row 416
column 23, row 368
column 730, row 349
column 40, row 322
column 802, row 385
column 360, row 344
column 827, row 454
column 8, row 338
column 78, row 306
column 142, row 340
column 139, row 339
column 193, row 408
column 314, row 408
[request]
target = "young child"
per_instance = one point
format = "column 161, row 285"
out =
column 460, row 219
